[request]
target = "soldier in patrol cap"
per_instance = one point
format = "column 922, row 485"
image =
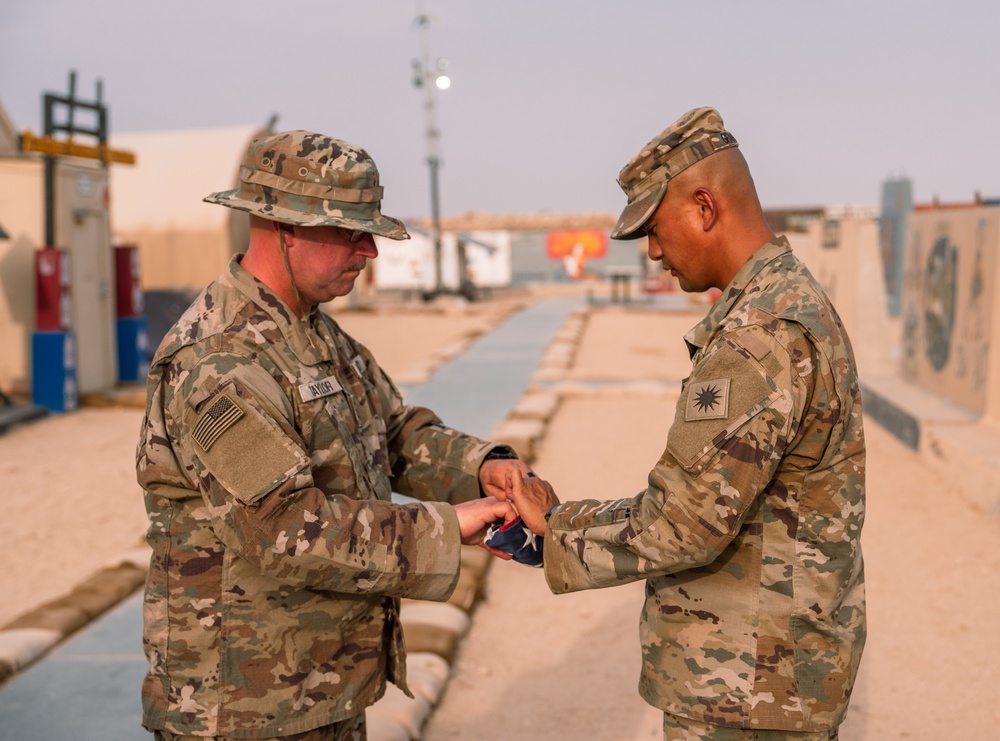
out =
column 748, row 535
column 271, row 445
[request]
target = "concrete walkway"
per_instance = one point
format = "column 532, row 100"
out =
column 87, row 689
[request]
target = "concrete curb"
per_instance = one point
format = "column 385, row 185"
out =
column 561, row 353
column 30, row 636
column 20, row 647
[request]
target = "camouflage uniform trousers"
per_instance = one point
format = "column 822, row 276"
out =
column 676, row 728
column 352, row 729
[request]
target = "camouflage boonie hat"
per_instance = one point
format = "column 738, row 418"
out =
column 692, row 137
column 307, row 179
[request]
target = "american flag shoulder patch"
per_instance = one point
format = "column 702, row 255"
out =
column 215, row 420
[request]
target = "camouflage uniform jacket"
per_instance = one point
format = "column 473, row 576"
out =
column 748, row 535
column 268, row 455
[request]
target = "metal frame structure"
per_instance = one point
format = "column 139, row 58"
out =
column 52, row 147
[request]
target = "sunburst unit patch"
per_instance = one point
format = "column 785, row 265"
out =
column 707, row 400
column 215, row 420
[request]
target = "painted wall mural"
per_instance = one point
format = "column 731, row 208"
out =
column 948, row 290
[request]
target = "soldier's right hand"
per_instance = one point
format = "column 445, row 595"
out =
column 474, row 517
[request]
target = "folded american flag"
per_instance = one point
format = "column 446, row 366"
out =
column 516, row 539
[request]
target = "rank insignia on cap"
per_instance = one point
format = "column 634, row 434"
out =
column 218, row 418
column 707, row 400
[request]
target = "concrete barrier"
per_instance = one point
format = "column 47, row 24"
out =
column 30, row 636
column 951, row 341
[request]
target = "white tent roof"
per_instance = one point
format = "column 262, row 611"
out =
column 174, row 171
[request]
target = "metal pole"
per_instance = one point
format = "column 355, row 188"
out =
column 436, row 221
column 50, row 171
column 433, row 160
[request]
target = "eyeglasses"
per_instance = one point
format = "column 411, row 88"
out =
column 353, row 235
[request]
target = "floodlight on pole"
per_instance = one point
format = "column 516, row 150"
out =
column 423, row 75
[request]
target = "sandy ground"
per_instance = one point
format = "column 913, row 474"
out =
column 536, row 666
column 70, row 503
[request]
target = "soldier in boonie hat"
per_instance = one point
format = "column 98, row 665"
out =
column 307, row 179
column 694, row 136
column 273, row 440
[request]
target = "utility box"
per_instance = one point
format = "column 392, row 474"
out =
column 133, row 349
column 132, row 333
column 53, row 371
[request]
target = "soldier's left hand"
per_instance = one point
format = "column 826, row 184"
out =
column 532, row 497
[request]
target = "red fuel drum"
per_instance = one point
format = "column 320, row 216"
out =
column 53, row 308
column 128, row 291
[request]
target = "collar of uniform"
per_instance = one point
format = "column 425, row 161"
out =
column 296, row 332
column 703, row 332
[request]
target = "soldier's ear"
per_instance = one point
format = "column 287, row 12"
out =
column 708, row 208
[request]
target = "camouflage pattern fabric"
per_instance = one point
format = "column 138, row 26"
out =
column 697, row 134
column 298, row 177
column 749, row 532
column 268, row 455
column 684, row 729
column 352, row 729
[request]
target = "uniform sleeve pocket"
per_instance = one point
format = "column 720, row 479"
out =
column 720, row 397
column 696, row 450
column 246, row 451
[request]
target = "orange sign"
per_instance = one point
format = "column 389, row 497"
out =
column 587, row 243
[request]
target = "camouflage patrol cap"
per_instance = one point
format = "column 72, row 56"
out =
column 307, row 179
column 691, row 138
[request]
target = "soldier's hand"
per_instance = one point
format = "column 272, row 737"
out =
column 493, row 475
column 533, row 498
column 476, row 516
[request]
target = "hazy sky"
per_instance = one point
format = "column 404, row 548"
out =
column 550, row 98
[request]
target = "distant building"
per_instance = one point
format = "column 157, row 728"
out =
column 529, row 239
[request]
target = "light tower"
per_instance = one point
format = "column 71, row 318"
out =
column 431, row 78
